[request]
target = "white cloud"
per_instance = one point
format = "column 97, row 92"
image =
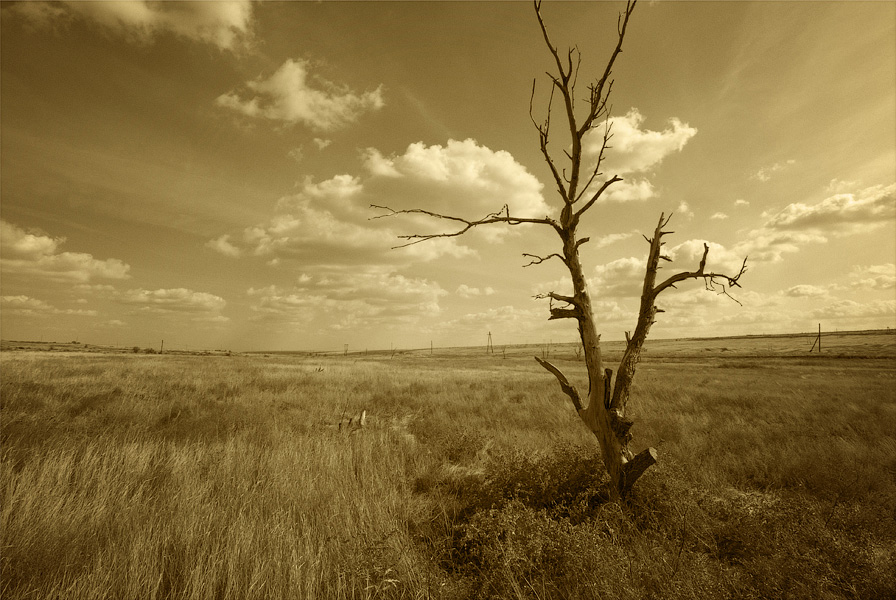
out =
column 838, row 186
column 719, row 216
column 606, row 240
column 874, row 277
column 223, row 24
column 328, row 223
column 858, row 212
column 765, row 173
column 623, row 277
column 741, row 202
column 465, row 291
column 223, row 245
column 35, row 254
column 200, row 305
column 806, row 291
column 684, row 210
column 686, row 257
column 290, row 97
column 635, row 150
column 346, row 300
column 27, row 306
column 849, row 309
column 800, row 224
column 634, row 190
column 322, row 143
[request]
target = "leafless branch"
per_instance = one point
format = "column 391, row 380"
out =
column 537, row 260
column 711, row 279
column 567, row 387
column 502, row 216
column 556, row 296
column 597, row 195
column 604, row 146
column 598, row 98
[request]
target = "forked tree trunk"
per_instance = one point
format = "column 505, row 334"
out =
column 605, row 413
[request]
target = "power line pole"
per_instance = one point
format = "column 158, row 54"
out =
column 817, row 341
column 489, row 349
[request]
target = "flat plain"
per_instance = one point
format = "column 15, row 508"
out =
column 135, row 475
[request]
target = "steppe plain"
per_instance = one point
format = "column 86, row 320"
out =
column 222, row 475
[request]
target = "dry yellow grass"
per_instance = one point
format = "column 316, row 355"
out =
column 136, row 476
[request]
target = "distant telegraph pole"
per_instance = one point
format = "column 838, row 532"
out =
column 817, row 340
column 489, row 349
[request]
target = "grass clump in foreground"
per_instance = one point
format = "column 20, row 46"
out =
column 227, row 477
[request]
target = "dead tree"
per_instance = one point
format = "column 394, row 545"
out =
column 580, row 186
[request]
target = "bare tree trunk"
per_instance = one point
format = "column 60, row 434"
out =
column 605, row 413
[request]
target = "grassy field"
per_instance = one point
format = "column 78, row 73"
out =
column 179, row 476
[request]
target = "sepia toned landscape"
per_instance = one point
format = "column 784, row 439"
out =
column 447, row 300
column 187, row 476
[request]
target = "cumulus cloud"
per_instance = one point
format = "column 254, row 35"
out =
column 223, row 24
column 36, row 254
column 465, row 291
column 328, row 223
column 199, row 305
column 633, row 149
column 224, row 246
column 806, row 291
column 874, row 277
column 686, row 257
column 719, row 216
column 623, row 277
column 291, row 95
column 800, row 224
column 633, row 190
column 346, row 300
column 849, row 309
column 741, row 202
column 858, row 212
column 26, row 306
column 684, row 210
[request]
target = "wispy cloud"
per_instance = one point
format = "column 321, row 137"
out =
column 36, row 254
column 858, row 212
column 766, row 173
column 27, row 306
column 465, row 291
column 874, row 277
column 223, row 24
column 606, row 240
column 346, row 300
column 290, row 96
column 806, row 291
column 849, row 309
column 199, row 305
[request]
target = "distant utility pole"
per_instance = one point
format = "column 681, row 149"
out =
column 345, row 352
column 489, row 349
column 817, row 340
column 162, row 347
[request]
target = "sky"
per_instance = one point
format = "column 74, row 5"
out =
column 203, row 173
